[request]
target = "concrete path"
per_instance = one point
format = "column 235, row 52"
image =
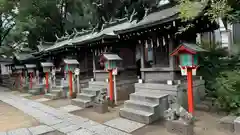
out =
column 61, row 121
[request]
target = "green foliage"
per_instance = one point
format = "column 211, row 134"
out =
column 222, row 76
column 228, row 84
column 227, row 10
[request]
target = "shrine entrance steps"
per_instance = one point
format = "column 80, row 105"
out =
column 37, row 89
column 145, row 107
column 57, row 92
column 87, row 96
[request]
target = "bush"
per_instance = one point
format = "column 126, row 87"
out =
column 228, row 91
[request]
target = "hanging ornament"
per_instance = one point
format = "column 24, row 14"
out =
column 139, row 41
column 146, row 44
column 164, row 41
column 158, row 42
column 169, row 36
column 95, row 52
column 174, row 23
column 105, row 50
column 151, row 43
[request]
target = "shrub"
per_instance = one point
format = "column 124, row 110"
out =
column 228, row 91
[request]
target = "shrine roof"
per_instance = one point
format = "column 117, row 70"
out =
column 192, row 48
column 47, row 64
column 71, row 61
column 30, row 66
column 58, row 45
column 106, row 32
column 19, row 67
column 23, row 56
column 159, row 17
column 111, row 57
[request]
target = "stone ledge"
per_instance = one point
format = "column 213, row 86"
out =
column 237, row 125
column 179, row 127
column 227, row 123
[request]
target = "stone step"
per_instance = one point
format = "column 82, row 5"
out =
column 147, row 97
column 85, row 96
column 81, row 102
column 52, row 96
column 35, row 91
column 91, row 91
column 137, row 115
column 140, row 105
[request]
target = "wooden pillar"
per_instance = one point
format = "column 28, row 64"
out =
column 172, row 62
column 154, row 53
column 94, row 65
column 86, row 59
column 142, row 53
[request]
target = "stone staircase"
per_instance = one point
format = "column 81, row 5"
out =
column 57, row 92
column 150, row 100
column 37, row 89
column 7, row 81
column 145, row 107
column 87, row 96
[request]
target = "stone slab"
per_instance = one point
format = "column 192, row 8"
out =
column 69, row 129
column 70, row 108
column 42, row 129
column 179, row 127
column 42, row 99
column 81, row 132
column 25, row 95
column 237, row 125
column 227, row 123
column 50, row 120
column 62, row 125
column 124, row 124
column 3, row 133
column 111, row 131
column 20, row 131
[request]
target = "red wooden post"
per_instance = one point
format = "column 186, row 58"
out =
column 190, row 90
column 46, row 80
column 70, row 83
column 31, row 77
column 110, row 85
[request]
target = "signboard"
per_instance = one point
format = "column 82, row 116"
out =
column 115, row 71
column 77, row 71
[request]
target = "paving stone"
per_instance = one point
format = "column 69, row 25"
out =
column 237, row 125
column 42, row 99
column 124, row 124
column 3, row 133
column 25, row 95
column 61, row 125
column 88, row 124
column 81, row 132
column 50, row 121
column 54, row 133
column 70, row 108
column 69, row 128
column 97, row 128
column 111, row 131
column 227, row 123
column 20, row 131
column 179, row 127
column 38, row 130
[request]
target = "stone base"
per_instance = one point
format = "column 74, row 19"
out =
column 179, row 127
column 74, row 95
column 227, row 123
column 100, row 108
column 237, row 125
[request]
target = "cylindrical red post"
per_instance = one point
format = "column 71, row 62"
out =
column 70, row 83
column 190, row 90
column 110, row 85
column 31, row 77
column 46, row 75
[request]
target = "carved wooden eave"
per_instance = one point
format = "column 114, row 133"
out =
column 163, row 19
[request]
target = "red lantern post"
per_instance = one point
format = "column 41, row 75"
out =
column 188, row 58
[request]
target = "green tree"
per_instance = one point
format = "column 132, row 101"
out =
column 7, row 17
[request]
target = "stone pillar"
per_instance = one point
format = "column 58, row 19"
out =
column 142, row 56
column 94, row 65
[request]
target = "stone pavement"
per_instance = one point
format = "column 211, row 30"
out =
column 56, row 119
